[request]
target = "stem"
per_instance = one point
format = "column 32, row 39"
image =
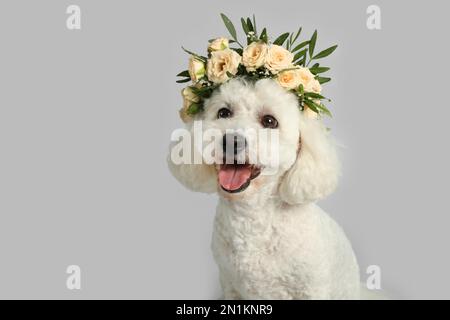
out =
column 240, row 45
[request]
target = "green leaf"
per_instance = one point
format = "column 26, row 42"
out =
column 301, row 45
column 317, row 107
column 230, row 75
column 249, row 24
column 238, row 50
column 325, row 53
column 244, row 26
column 312, row 43
column 229, row 25
column 280, row 40
column 288, row 43
column 194, row 108
column 297, row 35
column 200, row 91
column 311, row 105
column 183, row 80
column 203, row 92
column 288, row 69
column 300, row 54
column 184, row 73
column 314, row 95
column 323, row 79
column 316, row 69
column 263, row 36
column 199, row 57
column 229, row 40
column 254, row 25
column 324, row 109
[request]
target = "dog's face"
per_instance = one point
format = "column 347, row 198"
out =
column 259, row 128
column 262, row 141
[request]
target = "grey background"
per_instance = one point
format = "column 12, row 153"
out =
column 85, row 121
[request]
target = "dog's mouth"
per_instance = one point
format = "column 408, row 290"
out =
column 234, row 178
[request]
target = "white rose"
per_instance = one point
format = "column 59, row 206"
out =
column 254, row 56
column 278, row 58
column 220, row 63
column 218, row 44
column 196, row 69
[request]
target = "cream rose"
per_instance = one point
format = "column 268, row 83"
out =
column 196, row 69
column 220, row 63
column 189, row 98
column 189, row 95
column 218, row 44
column 254, row 56
column 292, row 78
column 309, row 83
column 306, row 79
column 278, row 58
column 289, row 79
column 314, row 86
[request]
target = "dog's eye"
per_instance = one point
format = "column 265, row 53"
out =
column 268, row 121
column 224, row 113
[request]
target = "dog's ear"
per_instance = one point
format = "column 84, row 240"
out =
column 315, row 173
column 196, row 177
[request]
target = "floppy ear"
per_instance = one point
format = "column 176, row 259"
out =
column 196, row 177
column 315, row 173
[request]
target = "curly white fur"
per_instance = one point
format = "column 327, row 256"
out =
column 272, row 241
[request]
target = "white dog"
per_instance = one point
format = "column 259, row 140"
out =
column 271, row 241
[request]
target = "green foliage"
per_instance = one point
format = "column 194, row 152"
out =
column 194, row 108
column 280, row 40
column 325, row 53
column 263, row 37
column 303, row 55
column 312, row 43
column 197, row 56
column 229, row 25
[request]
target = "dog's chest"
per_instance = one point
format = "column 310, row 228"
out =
column 249, row 251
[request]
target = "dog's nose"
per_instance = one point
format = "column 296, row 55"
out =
column 233, row 144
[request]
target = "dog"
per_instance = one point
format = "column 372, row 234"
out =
column 270, row 239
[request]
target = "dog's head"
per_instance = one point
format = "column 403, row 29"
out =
column 262, row 142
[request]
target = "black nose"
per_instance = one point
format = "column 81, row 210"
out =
column 233, row 144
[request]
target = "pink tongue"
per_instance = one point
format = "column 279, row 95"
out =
column 232, row 177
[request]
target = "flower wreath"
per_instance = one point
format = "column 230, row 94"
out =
column 261, row 58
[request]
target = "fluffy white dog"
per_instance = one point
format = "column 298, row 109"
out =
column 271, row 241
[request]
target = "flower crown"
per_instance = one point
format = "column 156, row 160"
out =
column 261, row 58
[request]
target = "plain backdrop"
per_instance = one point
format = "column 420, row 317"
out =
column 86, row 117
